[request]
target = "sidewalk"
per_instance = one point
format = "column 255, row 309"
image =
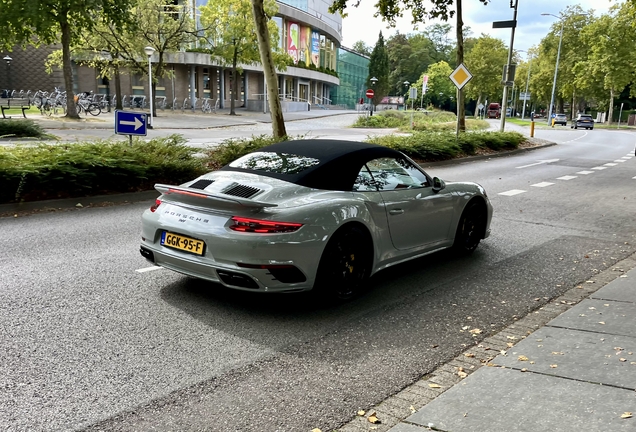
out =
column 168, row 119
column 569, row 366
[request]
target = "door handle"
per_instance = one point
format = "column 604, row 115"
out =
column 396, row 211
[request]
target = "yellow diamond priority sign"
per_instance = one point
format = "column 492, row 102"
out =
column 460, row 76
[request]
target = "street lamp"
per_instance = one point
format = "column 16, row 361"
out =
column 373, row 81
column 556, row 69
column 8, row 60
column 525, row 99
column 406, row 84
column 149, row 52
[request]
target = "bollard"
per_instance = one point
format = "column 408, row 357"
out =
column 532, row 129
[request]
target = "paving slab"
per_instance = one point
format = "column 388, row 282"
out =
column 576, row 354
column 497, row 400
column 600, row 316
column 620, row 289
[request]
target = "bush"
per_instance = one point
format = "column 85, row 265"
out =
column 232, row 149
column 21, row 128
column 80, row 169
column 437, row 146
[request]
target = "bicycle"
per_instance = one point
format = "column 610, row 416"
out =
column 86, row 106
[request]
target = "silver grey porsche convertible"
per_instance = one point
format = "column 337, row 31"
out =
column 310, row 214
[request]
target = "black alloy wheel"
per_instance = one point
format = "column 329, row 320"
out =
column 345, row 264
column 470, row 229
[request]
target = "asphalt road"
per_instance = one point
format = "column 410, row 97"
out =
column 87, row 342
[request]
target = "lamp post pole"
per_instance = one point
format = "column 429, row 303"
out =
column 8, row 60
column 556, row 68
column 373, row 81
column 523, row 111
column 149, row 52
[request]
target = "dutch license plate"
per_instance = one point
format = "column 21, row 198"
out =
column 183, row 243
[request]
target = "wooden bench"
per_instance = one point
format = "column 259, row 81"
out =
column 15, row 103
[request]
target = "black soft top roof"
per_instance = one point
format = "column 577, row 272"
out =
column 340, row 162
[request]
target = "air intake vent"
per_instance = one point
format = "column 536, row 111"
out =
column 240, row 190
column 201, row 184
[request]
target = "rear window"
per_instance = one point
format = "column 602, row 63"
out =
column 280, row 163
column 586, row 117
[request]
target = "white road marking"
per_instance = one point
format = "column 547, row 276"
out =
column 582, row 136
column 542, row 184
column 512, row 192
column 585, row 172
column 539, row 163
column 599, row 168
column 634, row 178
column 566, row 178
column 619, row 160
column 627, row 157
column 147, row 269
column 610, row 164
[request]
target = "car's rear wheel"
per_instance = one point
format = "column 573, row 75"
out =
column 470, row 229
column 345, row 264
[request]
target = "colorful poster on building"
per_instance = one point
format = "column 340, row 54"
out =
column 303, row 52
column 315, row 48
column 292, row 40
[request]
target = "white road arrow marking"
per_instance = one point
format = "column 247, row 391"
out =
column 137, row 124
column 539, row 163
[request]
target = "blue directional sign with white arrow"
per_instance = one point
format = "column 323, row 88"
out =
column 130, row 123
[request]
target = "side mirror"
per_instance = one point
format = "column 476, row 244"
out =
column 438, row 184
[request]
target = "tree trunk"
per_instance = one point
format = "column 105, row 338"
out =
column 71, row 109
column 234, row 82
column 262, row 32
column 118, row 104
column 611, row 107
column 461, row 110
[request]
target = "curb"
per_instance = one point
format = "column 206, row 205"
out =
column 412, row 398
column 20, row 209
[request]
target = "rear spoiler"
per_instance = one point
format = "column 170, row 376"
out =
column 195, row 196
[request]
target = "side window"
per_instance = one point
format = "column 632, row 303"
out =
column 364, row 182
column 391, row 174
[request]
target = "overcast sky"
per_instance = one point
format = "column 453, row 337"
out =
column 531, row 28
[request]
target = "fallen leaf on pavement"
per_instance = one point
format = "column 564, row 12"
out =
column 622, row 359
column 475, row 331
column 626, row 415
column 462, row 374
column 373, row 418
column 512, row 337
column 557, row 353
column 361, row 413
column 602, row 322
column 522, row 358
column 471, row 355
column 413, row 410
column 524, row 369
column 554, row 366
column 531, row 362
column 316, row 430
column 433, row 385
column 510, row 344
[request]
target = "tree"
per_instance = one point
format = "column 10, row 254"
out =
column 420, row 11
column 612, row 40
column 231, row 30
column 52, row 21
column 269, row 69
column 379, row 69
column 485, row 61
column 440, row 88
column 157, row 23
column 362, row 48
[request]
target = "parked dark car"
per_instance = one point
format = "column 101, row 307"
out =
column 560, row 119
column 583, row 121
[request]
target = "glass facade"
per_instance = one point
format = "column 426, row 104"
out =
column 353, row 69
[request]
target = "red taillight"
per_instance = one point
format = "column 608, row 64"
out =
column 153, row 208
column 194, row 194
column 262, row 226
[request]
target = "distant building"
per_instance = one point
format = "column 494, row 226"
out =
column 353, row 71
column 308, row 32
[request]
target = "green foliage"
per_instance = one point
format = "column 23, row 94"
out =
column 233, row 149
column 21, row 128
column 379, row 68
column 440, row 88
column 485, row 61
column 422, row 121
column 438, row 146
column 81, row 169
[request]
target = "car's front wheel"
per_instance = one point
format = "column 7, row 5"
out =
column 345, row 264
column 470, row 228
